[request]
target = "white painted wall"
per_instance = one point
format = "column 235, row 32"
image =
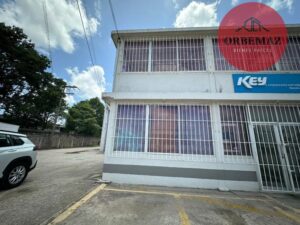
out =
column 182, row 88
column 193, row 82
column 180, row 182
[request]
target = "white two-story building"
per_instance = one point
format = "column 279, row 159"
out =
column 180, row 115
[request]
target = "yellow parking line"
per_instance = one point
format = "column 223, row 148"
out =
column 288, row 215
column 65, row 214
column 183, row 194
column 282, row 204
column 220, row 201
column 183, row 217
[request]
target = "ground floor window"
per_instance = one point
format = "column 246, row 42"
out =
column 187, row 129
column 196, row 130
column 235, row 132
column 163, row 129
column 130, row 128
column 184, row 129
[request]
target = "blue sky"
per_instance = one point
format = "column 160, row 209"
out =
column 70, row 54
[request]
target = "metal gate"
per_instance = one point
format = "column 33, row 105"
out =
column 278, row 151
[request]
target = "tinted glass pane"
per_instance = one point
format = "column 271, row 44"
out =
column 130, row 128
column 222, row 64
column 195, row 130
column 263, row 113
column 4, row 140
column 163, row 129
column 290, row 59
column 135, row 57
column 16, row 140
column 164, row 55
column 288, row 114
column 191, row 55
column 236, row 140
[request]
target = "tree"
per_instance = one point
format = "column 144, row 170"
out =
column 29, row 95
column 86, row 117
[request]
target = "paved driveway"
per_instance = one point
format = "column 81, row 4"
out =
column 60, row 178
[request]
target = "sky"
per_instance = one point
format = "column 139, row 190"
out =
column 71, row 60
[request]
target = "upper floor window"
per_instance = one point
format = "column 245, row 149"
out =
column 290, row 59
column 136, row 54
column 191, row 55
column 222, row 64
column 164, row 55
column 185, row 54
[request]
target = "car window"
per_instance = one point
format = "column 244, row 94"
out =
column 4, row 140
column 16, row 140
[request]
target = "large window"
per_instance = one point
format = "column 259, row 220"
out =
column 164, row 55
column 163, row 129
column 130, row 128
column 135, row 57
column 184, row 54
column 191, row 55
column 236, row 140
column 273, row 113
column 195, row 130
column 290, row 59
column 222, row 64
column 184, row 129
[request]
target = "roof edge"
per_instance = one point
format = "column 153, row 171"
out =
column 165, row 31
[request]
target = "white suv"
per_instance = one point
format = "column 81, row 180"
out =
column 17, row 158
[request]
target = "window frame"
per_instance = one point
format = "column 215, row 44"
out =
column 150, row 44
column 178, row 123
column 239, row 136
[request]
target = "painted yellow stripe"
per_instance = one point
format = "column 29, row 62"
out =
column 65, row 214
column 184, row 219
column 282, row 204
column 182, row 194
column 291, row 216
column 218, row 201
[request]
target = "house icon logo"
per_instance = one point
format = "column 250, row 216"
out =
column 252, row 25
column 252, row 37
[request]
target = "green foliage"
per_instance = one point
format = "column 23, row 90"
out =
column 86, row 117
column 29, row 96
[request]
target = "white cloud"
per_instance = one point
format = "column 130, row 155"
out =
column 91, row 82
column 63, row 19
column 281, row 4
column 197, row 14
column 175, row 4
column 70, row 100
column 234, row 2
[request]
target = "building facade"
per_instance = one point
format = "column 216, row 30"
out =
column 180, row 115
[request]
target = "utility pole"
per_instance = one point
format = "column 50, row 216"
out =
column 68, row 91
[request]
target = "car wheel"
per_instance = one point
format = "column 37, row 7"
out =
column 15, row 174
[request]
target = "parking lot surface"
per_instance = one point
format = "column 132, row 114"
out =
column 124, row 204
column 60, row 178
column 62, row 190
